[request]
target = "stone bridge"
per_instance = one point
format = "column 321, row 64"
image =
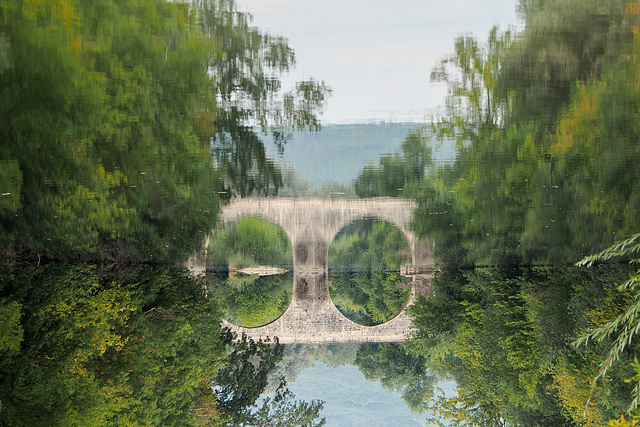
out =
column 311, row 224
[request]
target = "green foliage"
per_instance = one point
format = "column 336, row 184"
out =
column 504, row 336
column 99, row 115
column 471, row 104
column 625, row 248
column 622, row 422
column 247, row 68
column 627, row 324
column 545, row 125
column 365, row 259
column 128, row 345
column 436, row 316
column 460, row 412
column 397, row 370
column 249, row 242
column 394, row 171
column 240, row 381
column 546, row 171
column 105, row 346
column 250, row 300
column 108, row 110
column 564, row 41
column 369, row 298
column 282, row 410
column 11, row 331
column 10, row 186
column 369, row 246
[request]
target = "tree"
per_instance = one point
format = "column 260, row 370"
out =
column 240, row 381
column 471, row 73
column 397, row 370
column 627, row 324
column 251, row 300
column 397, row 170
column 283, row 410
column 502, row 335
column 137, row 350
column 246, row 68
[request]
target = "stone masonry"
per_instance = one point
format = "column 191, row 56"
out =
column 311, row 224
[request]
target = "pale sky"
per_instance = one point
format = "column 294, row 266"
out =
column 376, row 55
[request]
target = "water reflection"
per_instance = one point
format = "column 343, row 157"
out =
column 251, row 300
column 369, row 298
column 246, row 260
column 364, row 372
column 369, row 245
column 249, row 246
column 365, row 259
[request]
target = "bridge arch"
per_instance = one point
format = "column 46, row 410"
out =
column 311, row 225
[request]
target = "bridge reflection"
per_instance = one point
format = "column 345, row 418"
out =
column 311, row 224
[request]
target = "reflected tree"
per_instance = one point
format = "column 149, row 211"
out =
column 365, row 260
column 249, row 242
column 395, row 171
column 246, row 67
column 564, row 41
column 122, row 122
column 551, row 145
column 369, row 298
column 112, row 345
column 251, row 300
column 105, row 127
column 397, row 370
column 369, row 245
column 470, row 73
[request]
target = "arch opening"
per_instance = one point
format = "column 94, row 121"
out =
column 365, row 261
column 249, row 263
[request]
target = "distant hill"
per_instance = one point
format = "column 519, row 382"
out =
column 339, row 152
